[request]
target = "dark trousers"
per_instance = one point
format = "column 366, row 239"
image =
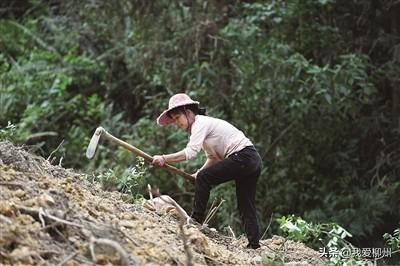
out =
column 244, row 167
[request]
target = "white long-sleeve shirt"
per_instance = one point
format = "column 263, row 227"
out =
column 216, row 137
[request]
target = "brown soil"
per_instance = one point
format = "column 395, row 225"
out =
column 53, row 216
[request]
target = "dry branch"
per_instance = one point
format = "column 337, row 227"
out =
column 149, row 190
column 127, row 236
column 189, row 255
column 269, row 224
column 212, row 213
column 41, row 213
column 124, row 257
column 38, row 213
column 59, row 145
column 11, row 184
column 180, row 210
column 67, row 258
column 5, row 219
column 231, row 231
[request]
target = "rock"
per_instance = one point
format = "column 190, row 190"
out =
column 7, row 209
column 45, row 200
column 256, row 260
column 127, row 223
column 23, row 255
column 19, row 193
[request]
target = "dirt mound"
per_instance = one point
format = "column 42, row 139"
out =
column 53, row 216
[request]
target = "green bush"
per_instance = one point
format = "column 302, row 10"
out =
column 127, row 181
column 8, row 132
column 323, row 237
column 393, row 240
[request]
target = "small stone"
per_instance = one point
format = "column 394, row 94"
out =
column 7, row 209
column 257, row 260
column 127, row 223
column 44, row 185
column 19, row 193
column 45, row 200
column 22, row 254
column 29, row 202
column 73, row 239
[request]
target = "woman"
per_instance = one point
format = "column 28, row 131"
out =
column 230, row 156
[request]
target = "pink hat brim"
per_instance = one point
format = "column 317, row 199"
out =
column 164, row 120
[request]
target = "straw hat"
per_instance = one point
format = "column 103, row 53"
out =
column 177, row 100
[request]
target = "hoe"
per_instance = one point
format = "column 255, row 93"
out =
column 101, row 132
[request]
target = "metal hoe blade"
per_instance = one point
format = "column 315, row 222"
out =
column 91, row 149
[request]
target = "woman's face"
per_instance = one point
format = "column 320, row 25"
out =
column 180, row 120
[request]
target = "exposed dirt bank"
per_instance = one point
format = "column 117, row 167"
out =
column 53, row 216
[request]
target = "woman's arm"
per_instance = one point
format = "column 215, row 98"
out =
column 175, row 157
column 161, row 160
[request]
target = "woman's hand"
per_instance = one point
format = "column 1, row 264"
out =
column 159, row 160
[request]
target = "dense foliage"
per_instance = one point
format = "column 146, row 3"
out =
column 314, row 84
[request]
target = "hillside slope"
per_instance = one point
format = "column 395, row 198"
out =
column 53, row 216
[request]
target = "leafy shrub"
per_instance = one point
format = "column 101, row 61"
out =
column 320, row 236
column 393, row 240
column 126, row 181
column 8, row 132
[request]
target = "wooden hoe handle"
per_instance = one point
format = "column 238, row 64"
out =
column 147, row 157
